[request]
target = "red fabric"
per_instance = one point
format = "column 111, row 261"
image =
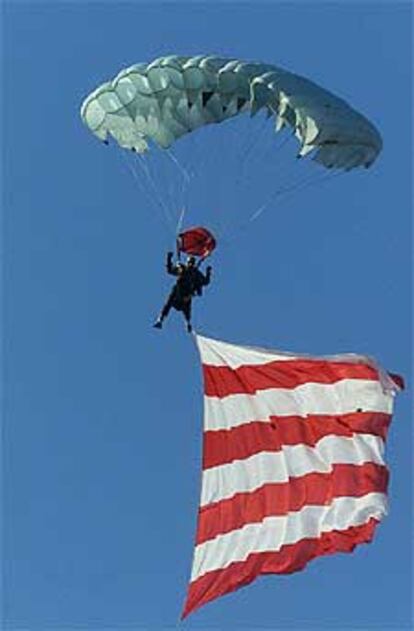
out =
column 280, row 499
column 196, row 241
column 225, row 446
column 220, row 381
column 284, row 482
column 289, row 559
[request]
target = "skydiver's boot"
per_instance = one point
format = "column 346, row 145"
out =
column 189, row 327
column 158, row 324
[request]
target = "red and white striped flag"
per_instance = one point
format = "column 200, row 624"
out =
column 293, row 464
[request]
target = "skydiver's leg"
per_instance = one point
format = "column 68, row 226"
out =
column 167, row 307
column 187, row 314
column 164, row 312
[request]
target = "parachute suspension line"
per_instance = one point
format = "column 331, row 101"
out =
column 184, row 172
column 148, row 190
column 280, row 143
column 310, row 181
column 156, row 194
column 271, row 156
column 225, row 240
column 247, row 147
column 265, row 154
column 167, row 185
column 165, row 175
column 186, row 180
column 140, row 184
column 277, row 157
column 290, row 175
column 223, row 148
column 248, row 153
column 180, row 220
column 261, row 144
column 194, row 144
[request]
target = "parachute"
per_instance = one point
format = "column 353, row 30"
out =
column 196, row 241
column 199, row 135
column 174, row 96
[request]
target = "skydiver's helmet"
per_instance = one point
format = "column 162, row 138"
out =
column 191, row 261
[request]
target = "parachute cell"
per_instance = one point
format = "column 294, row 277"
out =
column 173, row 96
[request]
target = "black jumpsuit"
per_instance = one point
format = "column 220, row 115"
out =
column 190, row 283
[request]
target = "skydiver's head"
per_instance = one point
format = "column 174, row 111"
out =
column 191, row 261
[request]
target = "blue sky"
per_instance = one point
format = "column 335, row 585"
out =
column 102, row 414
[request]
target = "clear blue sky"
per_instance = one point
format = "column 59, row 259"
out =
column 102, row 414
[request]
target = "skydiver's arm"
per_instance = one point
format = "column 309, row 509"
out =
column 207, row 277
column 171, row 268
column 203, row 279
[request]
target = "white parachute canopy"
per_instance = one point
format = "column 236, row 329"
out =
column 197, row 134
column 173, row 96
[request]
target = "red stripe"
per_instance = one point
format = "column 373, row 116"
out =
column 224, row 446
column 274, row 499
column 221, row 381
column 290, row 558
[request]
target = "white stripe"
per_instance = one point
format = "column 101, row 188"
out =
column 217, row 353
column 274, row 532
column 343, row 397
column 243, row 476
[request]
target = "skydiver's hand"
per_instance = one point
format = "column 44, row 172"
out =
column 208, row 269
column 170, row 255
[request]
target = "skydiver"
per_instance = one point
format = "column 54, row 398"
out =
column 190, row 283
